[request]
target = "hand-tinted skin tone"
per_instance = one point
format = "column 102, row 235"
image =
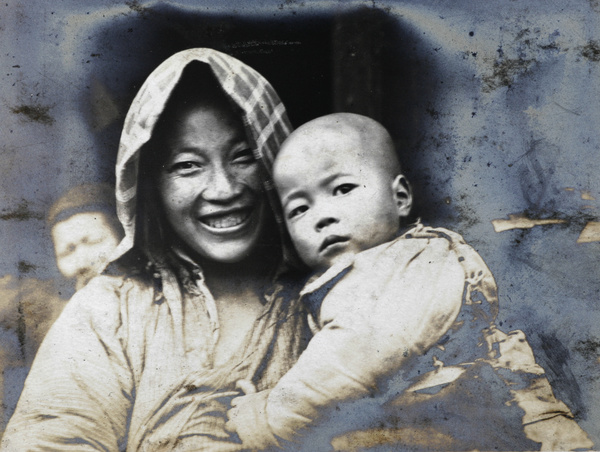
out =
column 339, row 196
column 83, row 243
column 210, row 186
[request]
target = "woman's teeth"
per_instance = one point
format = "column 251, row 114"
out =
column 229, row 220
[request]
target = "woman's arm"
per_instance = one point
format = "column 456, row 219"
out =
column 79, row 392
column 396, row 302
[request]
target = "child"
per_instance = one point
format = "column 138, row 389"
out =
column 406, row 353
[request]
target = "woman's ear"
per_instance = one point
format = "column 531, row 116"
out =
column 402, row 195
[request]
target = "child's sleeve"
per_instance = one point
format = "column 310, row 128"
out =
column 396, row 302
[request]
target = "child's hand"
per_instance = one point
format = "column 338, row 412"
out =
column 248, row 418
column 248, row 388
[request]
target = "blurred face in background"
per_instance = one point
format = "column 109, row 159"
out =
column 83, row 244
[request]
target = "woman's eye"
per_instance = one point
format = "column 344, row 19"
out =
column 343, row 189
column 185, row 166
column 244, row 157
column 296, row 211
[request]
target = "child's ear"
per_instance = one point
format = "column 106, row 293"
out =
column 402, row 195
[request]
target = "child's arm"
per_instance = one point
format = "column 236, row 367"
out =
column 396, row 302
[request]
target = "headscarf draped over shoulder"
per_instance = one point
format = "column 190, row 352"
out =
column 263, row 115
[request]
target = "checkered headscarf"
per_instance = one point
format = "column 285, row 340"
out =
column 263, row 114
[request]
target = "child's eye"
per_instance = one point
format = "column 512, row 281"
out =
column 244, row 157
column 296, row 211
column 343, row 189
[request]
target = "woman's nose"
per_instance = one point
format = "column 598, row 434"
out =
column 222, row 186
column 325, row 221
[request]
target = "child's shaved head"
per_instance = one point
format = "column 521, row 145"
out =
column 341, row 187
column 373, row 144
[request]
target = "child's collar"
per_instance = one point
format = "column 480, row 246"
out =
column 317, row 281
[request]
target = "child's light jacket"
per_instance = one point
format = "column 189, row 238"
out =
column 407, row 355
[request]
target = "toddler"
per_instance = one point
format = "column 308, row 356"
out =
column 405, row 353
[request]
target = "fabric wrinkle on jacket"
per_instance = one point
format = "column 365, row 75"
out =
column 128, row 340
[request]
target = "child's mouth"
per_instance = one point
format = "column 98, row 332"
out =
column 332, row 240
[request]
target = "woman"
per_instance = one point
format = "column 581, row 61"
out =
column 197, row 285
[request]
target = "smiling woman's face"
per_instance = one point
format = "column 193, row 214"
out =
column 210, row 186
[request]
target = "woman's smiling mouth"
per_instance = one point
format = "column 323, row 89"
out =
column 226, row 221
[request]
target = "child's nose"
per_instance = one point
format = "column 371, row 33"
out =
column 324, row 222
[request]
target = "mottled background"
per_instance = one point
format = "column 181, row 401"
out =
column 494, row 106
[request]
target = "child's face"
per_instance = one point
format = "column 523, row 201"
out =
column 83, row 244
column 336, row 199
